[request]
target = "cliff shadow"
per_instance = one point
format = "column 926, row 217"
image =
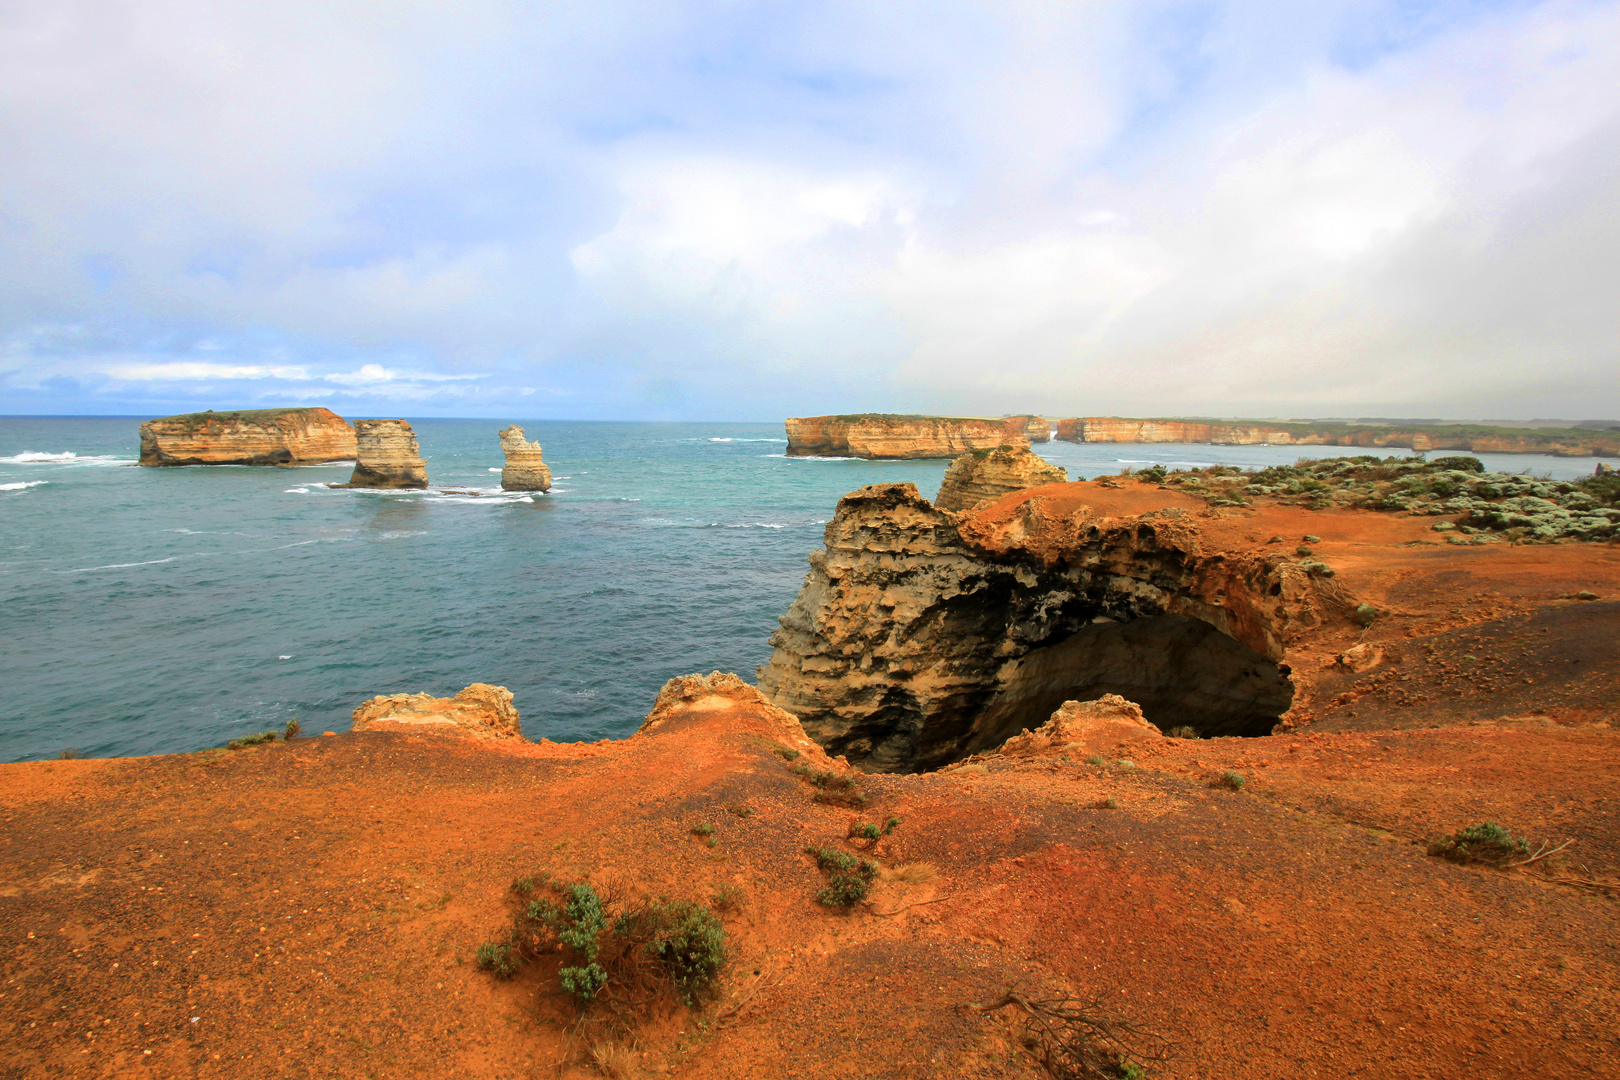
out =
column 1181, row 671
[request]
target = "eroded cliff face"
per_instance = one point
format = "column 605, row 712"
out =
column 1036, row 429
column 989, row 474
column 919, row 637
column 248, row 437
column 525, row 469
column 388, row 456
column 1114, row 429
column 883, row 436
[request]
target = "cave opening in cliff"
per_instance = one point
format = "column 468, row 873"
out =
column 1181, row 671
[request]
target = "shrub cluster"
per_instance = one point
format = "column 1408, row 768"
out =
column 849, row 877
column 625, row 954
column 1485, row 841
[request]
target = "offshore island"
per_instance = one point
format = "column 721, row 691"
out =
column 1176, row 773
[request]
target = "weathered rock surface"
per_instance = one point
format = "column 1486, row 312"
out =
column 248, row 437
column 1573, row 442
column 902, row 649
column 686, row 694
column 524, row 470
column 981, row 475
column 388, row 456
column 481, row 711
column 878, row 435
column 1107, row 724
column 1036, row 429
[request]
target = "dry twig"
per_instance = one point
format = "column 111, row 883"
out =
column 1541, row 854
column 1079, row 1040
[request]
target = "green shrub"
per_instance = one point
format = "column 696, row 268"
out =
column 889, row 826
column 843, row 890
column 1485, row 841
column 498, row 958
column 1095, row 759
column 693, row 948
column 292, row 729
column 252, row 740
column 702, row 828
column 1366, row 614
column 850, row 876
column 1229, row 780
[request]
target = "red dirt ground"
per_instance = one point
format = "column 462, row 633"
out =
column 310, row 909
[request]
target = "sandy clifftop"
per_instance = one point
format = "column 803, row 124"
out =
column 248, row 437
column 881, row 435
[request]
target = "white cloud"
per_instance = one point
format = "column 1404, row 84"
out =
column 1129, row 207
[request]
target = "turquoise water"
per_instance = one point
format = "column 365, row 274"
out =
column 158, row 610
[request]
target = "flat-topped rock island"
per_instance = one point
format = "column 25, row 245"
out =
column 891, row 436
column 248, row 437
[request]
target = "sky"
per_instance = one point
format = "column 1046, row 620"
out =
column 745, row 211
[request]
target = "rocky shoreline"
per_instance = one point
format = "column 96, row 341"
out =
column 1570, row 442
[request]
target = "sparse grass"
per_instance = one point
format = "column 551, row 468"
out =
column 890, row 825
column 1109, row 803
column 833, row 789
column 786, row 753
column 703, row 828
column 291, row 730
column 614, row 1060
column 71, row 753
column 740, row 811
column 1185, row 731
column 1230, row 780
column 917, row 873
column 726, row 898
column 1485, row 841
column 252, row 740
column 1095, row 759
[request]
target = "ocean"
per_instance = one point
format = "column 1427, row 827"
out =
column 148, row 611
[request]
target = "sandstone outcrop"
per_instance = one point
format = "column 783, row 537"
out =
column 524, row 470
column 388, row 456
column 880, row 435
column 982, row 475
column 481, row 711
column 248, row 437
column 1106, row 725
column 1573, row 442
column 717, row 690
column 1036, row 429
column 918, row 638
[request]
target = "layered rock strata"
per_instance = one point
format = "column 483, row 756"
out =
column 481, row 711
column 388, row 456
column 919, row 637
column 1036, row 429
column 1107, row 725
column 877, row 435
column 524, row 470
column 248, row 437
column 982, row 475
column 1114, row 429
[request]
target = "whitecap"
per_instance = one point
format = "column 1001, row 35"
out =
column 297, row 491
column 720, row 440
column 22, row 485
column 284, row 657
column 66, row 457
column 115, row 566
column 494, row 470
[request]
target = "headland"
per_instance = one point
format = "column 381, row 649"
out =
column 892, row 436
column 1472, row 438
column 248, row 437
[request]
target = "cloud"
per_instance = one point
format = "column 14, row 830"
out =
column 749, row 210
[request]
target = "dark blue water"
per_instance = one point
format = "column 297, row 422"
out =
column 157, row 610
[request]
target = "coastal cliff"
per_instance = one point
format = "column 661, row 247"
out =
column 388, row 456
column 248, row 437
column 881, row 435
column 1570, row 442
column 989, row 474
column 525, row 469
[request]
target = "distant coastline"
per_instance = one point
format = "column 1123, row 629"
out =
column 1477, row 438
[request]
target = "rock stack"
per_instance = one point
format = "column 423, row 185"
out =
column 524, row 469
column 981, row 475
column 388, row 456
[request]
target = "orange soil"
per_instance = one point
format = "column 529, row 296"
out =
column 311, row 909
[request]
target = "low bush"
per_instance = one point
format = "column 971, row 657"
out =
column 1485, row 841
column 833, row 789
column 291, row 731
column 1366, row 614
column 1185, row 731
column 252, row 740
column 849, row 877
column 1230, row 780
column 618, row 957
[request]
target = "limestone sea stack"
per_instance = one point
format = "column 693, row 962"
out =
column 1036, row 429
column 248, row 437
column 982, row 475
column 481, row 712
column 388, row 456
column 883, row 435
column 524, row 470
